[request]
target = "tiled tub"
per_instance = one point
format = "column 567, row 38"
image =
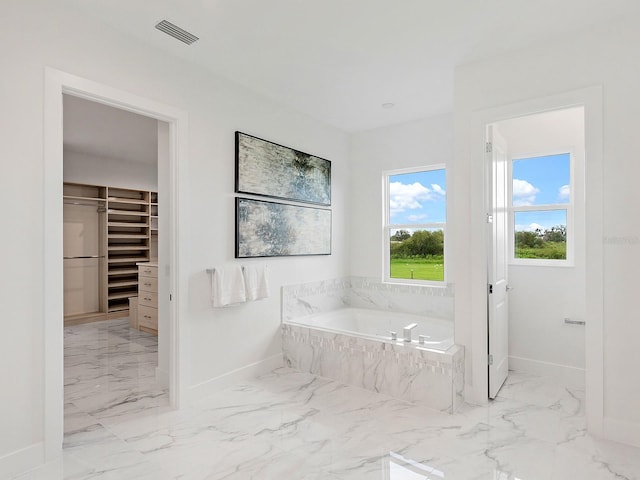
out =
column 354, row 346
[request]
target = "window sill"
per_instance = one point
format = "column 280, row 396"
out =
column 542, row 263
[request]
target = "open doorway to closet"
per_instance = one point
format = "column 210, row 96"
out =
column 541, row 328
column 113, row 194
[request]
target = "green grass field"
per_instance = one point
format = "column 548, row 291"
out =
column 551, row 250
column 418, row 268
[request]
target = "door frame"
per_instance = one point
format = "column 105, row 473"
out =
column 56, row 84
column 591, row 99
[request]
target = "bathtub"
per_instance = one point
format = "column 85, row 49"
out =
column 354, row 346
column 378, row 325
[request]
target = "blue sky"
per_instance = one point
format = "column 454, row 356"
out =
column 417, row 197
column 421, row 197
column 541, row 181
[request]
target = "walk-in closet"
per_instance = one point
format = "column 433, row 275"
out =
column 112, row 206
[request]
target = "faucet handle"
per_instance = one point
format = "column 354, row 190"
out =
column 394, row 335
column 421, row 339
column 406, row 331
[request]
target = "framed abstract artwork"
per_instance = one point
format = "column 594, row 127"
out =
column 270, row 229
column 271, row 170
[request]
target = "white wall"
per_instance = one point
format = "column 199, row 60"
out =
column 91, row 169
column 539, row 340
column 605, row 55
column 414, row 144
column 220, row 341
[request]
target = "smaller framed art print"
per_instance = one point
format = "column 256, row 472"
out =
column 269, row 229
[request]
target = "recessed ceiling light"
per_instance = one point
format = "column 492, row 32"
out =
column 388, row 105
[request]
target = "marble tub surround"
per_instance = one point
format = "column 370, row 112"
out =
column 297, row 426
column 429, row 301
column 362, row 292
column 407, row 372
column 314, row 297
column 402, row 371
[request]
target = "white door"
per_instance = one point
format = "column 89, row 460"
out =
column 498, row 314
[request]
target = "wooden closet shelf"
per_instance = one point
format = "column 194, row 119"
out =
column 86, row 199
column 127, row 224
column 122, row 271
column 130, row 201
column 127, row 235
column 128, row 259
column 127, row 283
column 121, row 307
column 131, row 213
column 126, row 294
column 133, row 248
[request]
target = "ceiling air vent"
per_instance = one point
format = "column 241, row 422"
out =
column 176, row 32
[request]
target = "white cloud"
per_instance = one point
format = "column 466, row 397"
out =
column 404, row 197
column 417, row 218
column 532, row 227
column 438, row 189
column 564, row 192
column 523, row 193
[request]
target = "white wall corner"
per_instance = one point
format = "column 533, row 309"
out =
column 22, row 460
column 565, row 374
column 623, row 432
column 248, row 372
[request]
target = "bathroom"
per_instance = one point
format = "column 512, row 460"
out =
column 204, row 110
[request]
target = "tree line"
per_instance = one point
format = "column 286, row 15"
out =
column 423, row 243
column 549, row 243
column 539, row 243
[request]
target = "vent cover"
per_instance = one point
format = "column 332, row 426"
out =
column 176, row 32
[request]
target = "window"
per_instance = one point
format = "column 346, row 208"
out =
column 414, row 225
column 541, row 209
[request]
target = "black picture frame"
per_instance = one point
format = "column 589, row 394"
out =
column 272, row 229
column 272, row 170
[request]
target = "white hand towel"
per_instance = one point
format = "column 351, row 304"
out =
column 227, row 286
column 255, row 281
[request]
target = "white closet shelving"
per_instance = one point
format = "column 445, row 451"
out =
column 127, row 235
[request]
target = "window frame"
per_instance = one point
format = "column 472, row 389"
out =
column 387, row 227
column 569, row 207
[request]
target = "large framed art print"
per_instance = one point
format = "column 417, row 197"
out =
column 271, row 170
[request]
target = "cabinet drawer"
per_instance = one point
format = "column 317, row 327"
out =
column 147, row 284
column 149, row 299
column 147, row 271
column 148, row 317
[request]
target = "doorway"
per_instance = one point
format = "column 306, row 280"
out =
column 544, row 248
column 113, row 363
column 471, row 314
column 545, row 240
column 171, row 175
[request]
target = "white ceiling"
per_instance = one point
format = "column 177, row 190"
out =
column 340, row 60
column 102, row 131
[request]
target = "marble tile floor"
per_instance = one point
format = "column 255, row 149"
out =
column 288, row 425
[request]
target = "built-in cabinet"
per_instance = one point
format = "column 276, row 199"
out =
column 148, row 297
column 111, row 229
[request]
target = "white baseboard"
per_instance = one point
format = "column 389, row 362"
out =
column 248, row 372
column 622, row 432
column 570, row 376
column 22, row 460
column 162, row 377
